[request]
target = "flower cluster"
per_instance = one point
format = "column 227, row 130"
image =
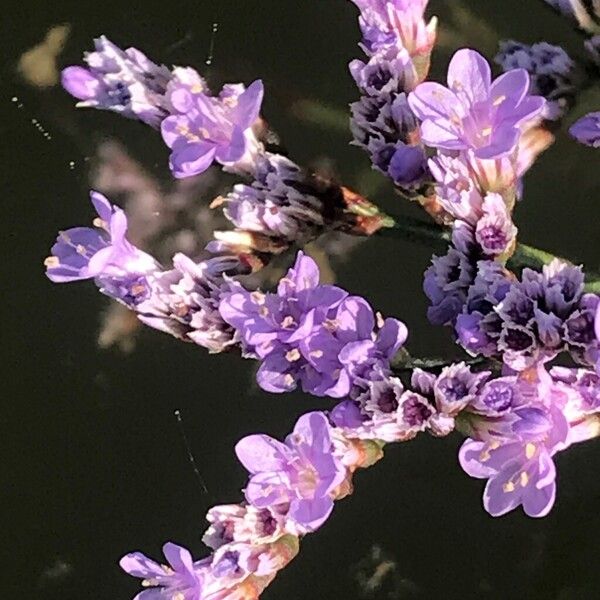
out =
column 516, row 424
column 398, row 44
column 291, row 492
column 528, row 321
column 198, row 127
column 481, row 135
column 551, row 71
column 314, row 335
column 183, row 301
column 285, row 206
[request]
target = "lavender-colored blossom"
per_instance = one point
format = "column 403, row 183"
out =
column 104, row 253
column 513, row 445
column 123, row 81
column 185, row 301
column 309, row 333
column 446, row 283
column 472, row 112
column 495, row 231
column 243, row 523
column 182, row 579
column 386, row 23
column 456, row 387
column 206, row 128
column 550, row 69
column 587, row 130
column 388, row 72
column 301, row 473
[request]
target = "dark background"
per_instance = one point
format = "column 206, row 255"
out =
column 92, row 462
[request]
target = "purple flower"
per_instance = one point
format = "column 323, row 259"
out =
column 584, row 12
column 301, row 473
column 123, row 81
column 514, row 444
column 185, row 301
column 495, row 231
column 183, row 579
column 446, row 283
column 309, row 333
column 456, row 387
column 121, row 270
column 472, row 112
column 207, row 128
column 587, row 130
column 239, row 523
column 389, row 71
column 400, row 23
column 550, row 69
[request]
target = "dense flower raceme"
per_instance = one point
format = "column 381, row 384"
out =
column 183, row 301
column 531, row 320
column 551, row 71
column 290, row 493
column 286, row 206
column 587, row 130
column 382, row 123
column 198, row 127
column 314, row 335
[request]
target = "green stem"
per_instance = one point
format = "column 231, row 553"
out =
column 437, row 237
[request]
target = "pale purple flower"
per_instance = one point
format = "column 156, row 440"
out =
column 587, row 130
column 182, row 578
column 207, row 128
column 550, row 69
column 388, row 72
column 301, row 473
column 456, row 387
column 103, row 253
column 398, row 22
column 513, row 445
column 122, row 81
column 243, row 523
column 495, row 231
column 185, row 301
column 458, row 190
column 472, row 112
column 309, row 333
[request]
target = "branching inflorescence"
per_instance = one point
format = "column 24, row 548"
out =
column 460, row 150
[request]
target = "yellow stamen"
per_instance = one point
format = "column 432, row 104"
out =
column 509, row 487
column 524, row 479
column 52, row 262
column 529, row 450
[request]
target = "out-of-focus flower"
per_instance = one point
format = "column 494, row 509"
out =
column 592, row 47
column 123, row 81
column 474, row 113
column 550, row 68
column 205, row 128
column 301, row 473
column 398, row 23
column 587, row 130
column 585, row 12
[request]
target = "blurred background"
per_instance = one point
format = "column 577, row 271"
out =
column 93, row 464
